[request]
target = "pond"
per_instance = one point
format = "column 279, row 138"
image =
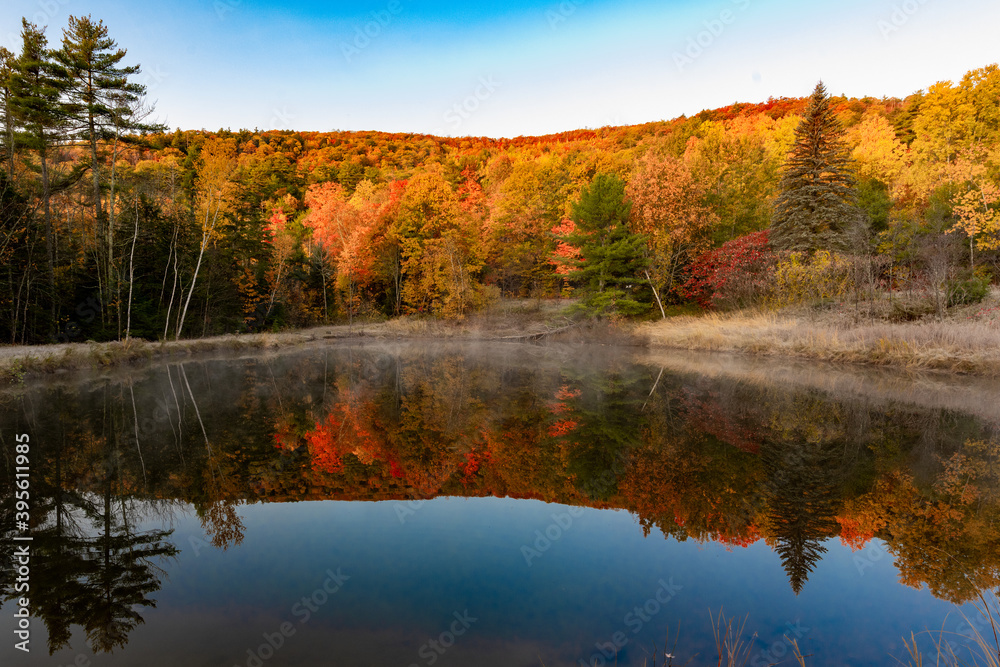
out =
column 517, row 505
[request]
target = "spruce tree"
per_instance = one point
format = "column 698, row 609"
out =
column 815, row 207
column 612, row 256
column 802, row 500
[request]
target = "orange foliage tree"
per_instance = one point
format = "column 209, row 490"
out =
column 668, row 209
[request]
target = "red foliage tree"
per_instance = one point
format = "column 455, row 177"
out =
column 736, row 274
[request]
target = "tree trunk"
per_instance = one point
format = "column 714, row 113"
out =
column 206, row 235
column 173, row 290
column 131, row 273
column 194, row 280
column 112, row 283
column 50, row 251
column 658, row 302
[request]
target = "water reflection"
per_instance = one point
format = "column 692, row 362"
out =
column 691, row 457
column 90, row 566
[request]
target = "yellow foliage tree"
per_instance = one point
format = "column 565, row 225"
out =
column 439, row 248
column 801, row 278
column 877, row 153
column 214, row 194
column 978, row 217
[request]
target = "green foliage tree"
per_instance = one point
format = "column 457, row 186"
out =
column 816, row 204
column 38, row 83
column 7, row 62
column 102, row 104
column 612, row 257
column 802, row 498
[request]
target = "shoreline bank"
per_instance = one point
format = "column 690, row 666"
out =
column 18, row 362
column 964, row 346
column 958, row 345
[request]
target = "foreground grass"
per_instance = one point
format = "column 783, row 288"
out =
column 510, row 320
column 962, row 343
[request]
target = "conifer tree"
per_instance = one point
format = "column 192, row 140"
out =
column 38, row 83
column 612, row 256
column 816, row 205
column 7, row 140
column 803, row 501
column 102, row 103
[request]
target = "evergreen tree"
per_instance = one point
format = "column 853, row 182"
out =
column 612, row 257
column 816, row 203
column 103, row 104
column 803, row 500
column 38, row 83
column 7, row 61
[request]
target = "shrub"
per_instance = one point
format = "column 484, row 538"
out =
column 800, row 278
column 968, row 290
column 736, row 274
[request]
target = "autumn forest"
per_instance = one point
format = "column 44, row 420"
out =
column 113, row 227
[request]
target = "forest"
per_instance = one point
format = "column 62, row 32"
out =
column 113, row 227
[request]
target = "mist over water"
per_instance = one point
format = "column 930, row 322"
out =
column 497, row 505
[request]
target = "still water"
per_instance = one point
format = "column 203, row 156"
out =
column 515, row 505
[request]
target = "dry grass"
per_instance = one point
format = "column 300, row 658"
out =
column 962, row 345
column 18, row 362
column 979, row 646
column 509, row 319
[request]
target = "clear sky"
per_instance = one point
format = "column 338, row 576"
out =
column 516, row 67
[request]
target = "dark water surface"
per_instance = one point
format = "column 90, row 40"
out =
column 508, row 505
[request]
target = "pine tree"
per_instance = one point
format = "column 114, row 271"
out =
column 816, row 205
column 38, row 83
column 102, row 102
column 612, row 256
column 7, row 61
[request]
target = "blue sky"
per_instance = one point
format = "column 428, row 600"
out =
column 519, row 67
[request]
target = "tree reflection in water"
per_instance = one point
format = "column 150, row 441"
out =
column 695, row 458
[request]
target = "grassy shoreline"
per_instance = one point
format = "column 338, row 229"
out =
column 965, row 342
column 959, row 345
column 511, row 321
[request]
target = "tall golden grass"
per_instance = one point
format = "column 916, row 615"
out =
column 965, row 346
